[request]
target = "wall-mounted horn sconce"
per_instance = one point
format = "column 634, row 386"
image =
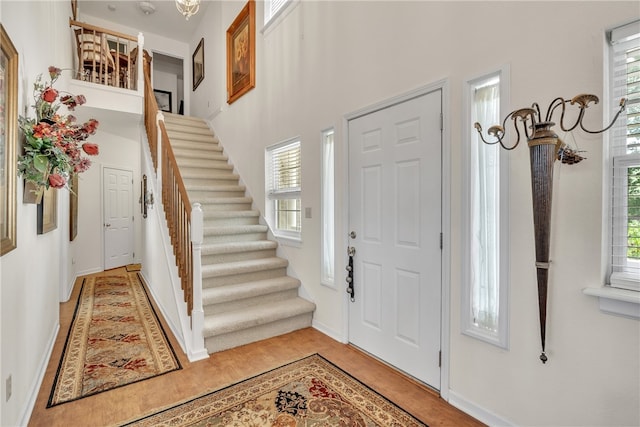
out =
column 544, row 149
column 146, row 197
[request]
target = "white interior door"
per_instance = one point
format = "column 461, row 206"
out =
column 395, row 212
column 118, row 217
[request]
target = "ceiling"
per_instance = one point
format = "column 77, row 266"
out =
column 165, row 21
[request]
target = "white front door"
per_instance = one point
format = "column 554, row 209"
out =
column 118, row 217
column 395, row 212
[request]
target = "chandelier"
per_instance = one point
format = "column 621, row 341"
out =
column 188, row 8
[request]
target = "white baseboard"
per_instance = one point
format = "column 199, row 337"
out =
column 35, row 387
column 478, row 412
column 327, row 331
column 89, row 271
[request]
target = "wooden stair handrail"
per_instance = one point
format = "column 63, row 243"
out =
column 175, row 199
column 74, row 23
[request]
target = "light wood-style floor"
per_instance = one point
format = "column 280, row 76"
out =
column 228, row 367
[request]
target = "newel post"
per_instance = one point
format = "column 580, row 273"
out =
column 140, row 64
column 159, row 118
column 197, row 312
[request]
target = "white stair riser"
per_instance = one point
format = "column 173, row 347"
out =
column 249, row 302
column 245, row 336
column 234, row 279
column 237, row 256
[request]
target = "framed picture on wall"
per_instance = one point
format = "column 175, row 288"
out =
column 8, row 141
column 163, row 99
column 241, row 53
column 197, row 64
column 48, row 211
column 73, row 208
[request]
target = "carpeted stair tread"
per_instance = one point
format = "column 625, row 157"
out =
column 221, row 174
column 234, row 229
column 230, row 214
column 196, row 142
column 204, row 154
column 191, row 153
column 172, row 117
column 247, row 295
column 225, row 200
column 197, row 164
column 234, row 247
column 215, row 188
column 250, row 317
column 242, row 267
column 251, row 289
column 187, row 129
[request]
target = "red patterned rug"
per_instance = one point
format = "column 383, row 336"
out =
column 115, row 338
column 309, row 392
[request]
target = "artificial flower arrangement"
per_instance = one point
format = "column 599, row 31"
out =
column 54, row 144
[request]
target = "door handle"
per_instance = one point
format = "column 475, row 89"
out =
column 107, row 225
column 351, row 251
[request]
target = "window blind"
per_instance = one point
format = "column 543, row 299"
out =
column 285, row 167
column 272, row 8
column 625, row 152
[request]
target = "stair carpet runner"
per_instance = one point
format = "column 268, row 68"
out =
column 247, row 295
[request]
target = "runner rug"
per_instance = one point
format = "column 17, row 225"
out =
column 115, row 338
column 309, row 392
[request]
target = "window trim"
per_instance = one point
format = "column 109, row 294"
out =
column 501, row 337
column 288, row 237
column 623, row 280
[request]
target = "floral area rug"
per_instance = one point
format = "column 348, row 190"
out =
column 309, row 392
column 115, row 338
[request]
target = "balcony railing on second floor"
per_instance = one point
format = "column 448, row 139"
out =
column 106, row 57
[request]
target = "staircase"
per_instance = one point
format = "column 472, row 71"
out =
column 247, row 295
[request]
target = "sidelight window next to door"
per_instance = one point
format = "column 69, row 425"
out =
column 485, row 214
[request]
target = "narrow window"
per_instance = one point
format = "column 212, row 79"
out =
column 485, row 290
column 284, row 189
column 327, row 238
column 624, row 150
column 273, row 8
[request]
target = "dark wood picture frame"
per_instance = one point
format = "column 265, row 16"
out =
column 241, row 53
column 197, row 64
column 8, row 142
column 163, row 99
column 73, row 207
column 48, row 211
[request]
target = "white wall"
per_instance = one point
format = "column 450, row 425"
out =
column 35, row 274
column 327, row 59
column 168, row 82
